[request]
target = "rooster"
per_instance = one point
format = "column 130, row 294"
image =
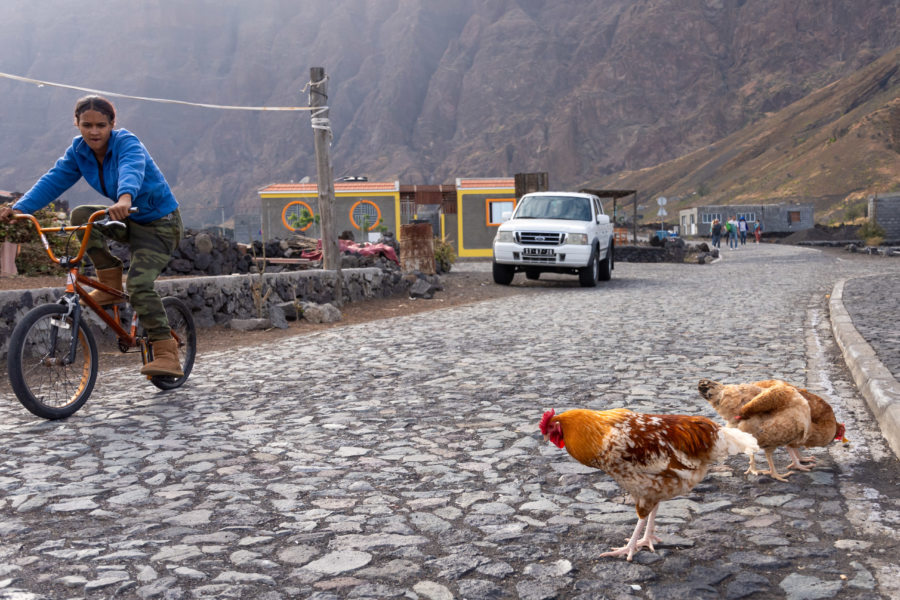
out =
column 823, row 426
column 777, row 415
column 653, row 457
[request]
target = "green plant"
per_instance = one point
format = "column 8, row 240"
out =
column 32, row 259
column 22, row 232
column 872, row 233
column 703, row 189
column 854, row 211
column 444, row 254
column 303, row 219
column 367, row 225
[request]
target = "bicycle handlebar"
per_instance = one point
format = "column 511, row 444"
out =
column 100, row 217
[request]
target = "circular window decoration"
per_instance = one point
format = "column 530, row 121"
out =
column 296, row 209
column 365, row 211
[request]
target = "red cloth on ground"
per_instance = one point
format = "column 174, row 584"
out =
column 348, row 246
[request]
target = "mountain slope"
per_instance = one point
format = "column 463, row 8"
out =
column 834, row 148
column 420, row 91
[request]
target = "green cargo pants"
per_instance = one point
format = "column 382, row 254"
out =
column 151, row 245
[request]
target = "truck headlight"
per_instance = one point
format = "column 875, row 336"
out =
column 577, row 239
column 505, row 237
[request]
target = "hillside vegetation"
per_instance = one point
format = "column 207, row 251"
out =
column 834, row 148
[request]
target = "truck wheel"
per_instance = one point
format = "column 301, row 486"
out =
column 606, row 266
column 503, row 274
column 589, row 276
column 532, row 274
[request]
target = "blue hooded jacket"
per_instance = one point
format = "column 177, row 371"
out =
column 127, row 169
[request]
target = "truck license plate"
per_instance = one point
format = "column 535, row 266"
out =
column 538, row 251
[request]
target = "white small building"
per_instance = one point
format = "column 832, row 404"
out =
column 774, row 218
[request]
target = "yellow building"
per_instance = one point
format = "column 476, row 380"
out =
column 481, row 206
column 360, row 207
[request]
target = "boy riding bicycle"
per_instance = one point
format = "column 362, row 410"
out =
column 116, row 164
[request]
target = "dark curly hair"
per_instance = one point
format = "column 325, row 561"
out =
column 98, row 103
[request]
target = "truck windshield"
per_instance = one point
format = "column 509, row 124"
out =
column 554, row 207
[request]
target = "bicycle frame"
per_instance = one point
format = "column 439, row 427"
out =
column 76, row 282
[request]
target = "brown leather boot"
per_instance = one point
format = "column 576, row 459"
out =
column 111, row 278
column 165, row 360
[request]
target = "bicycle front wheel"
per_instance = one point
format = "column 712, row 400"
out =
column 43, row 378
column 183, row 330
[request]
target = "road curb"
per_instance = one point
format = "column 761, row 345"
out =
column 874, row 381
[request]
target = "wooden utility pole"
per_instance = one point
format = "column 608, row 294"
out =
column 318, row 100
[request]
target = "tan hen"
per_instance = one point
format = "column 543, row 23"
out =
column 823, row 430
column 777, row 415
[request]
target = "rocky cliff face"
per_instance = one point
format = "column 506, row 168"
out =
column 420, row 91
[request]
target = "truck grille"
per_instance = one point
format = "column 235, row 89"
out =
column 545, row 260
column 539, row 238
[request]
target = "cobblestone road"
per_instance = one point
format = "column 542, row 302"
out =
column 873, row 304
column 400, row 458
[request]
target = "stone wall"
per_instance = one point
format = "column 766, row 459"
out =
column 218, row 300
column 668, row 251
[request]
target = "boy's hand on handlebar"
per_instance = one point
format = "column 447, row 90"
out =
column 7, row 212
column 121, row 209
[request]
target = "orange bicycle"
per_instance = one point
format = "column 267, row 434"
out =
column 52, row 359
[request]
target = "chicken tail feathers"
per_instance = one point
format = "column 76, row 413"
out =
column 735, row 441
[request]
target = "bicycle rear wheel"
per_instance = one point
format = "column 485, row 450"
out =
column 39, row 372
column 183, row 330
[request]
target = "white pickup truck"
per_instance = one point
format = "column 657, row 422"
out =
column 555, row 232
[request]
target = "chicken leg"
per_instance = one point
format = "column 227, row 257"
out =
column 800, row 462
column 634, row 544
column 772, row 472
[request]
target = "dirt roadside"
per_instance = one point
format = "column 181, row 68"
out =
column 460, row 287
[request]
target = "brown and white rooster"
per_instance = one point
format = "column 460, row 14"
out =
column 653, row 457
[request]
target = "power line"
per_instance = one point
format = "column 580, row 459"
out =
column 40, row 83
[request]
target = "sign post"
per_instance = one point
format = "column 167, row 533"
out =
column 661, row 212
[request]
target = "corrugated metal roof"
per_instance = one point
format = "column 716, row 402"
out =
column 486, row 183
column 428, row 194
column 339, row 186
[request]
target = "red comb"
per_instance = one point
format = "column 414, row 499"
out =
column 545, row 421
column 839, row 434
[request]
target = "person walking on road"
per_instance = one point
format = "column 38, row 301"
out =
column 757, row 230
column 742, row 230
column 732, row 227
column 716, row 233
column 116, row 164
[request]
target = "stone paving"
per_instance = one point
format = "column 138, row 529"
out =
column 400, row 458
column 872, row 303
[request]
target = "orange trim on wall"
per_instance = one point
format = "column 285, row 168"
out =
column 285, row 211
column 377, row 212
column 487, row 210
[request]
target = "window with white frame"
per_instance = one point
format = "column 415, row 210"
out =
column 499, row 210
column 749, row 216
column 710, row 217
